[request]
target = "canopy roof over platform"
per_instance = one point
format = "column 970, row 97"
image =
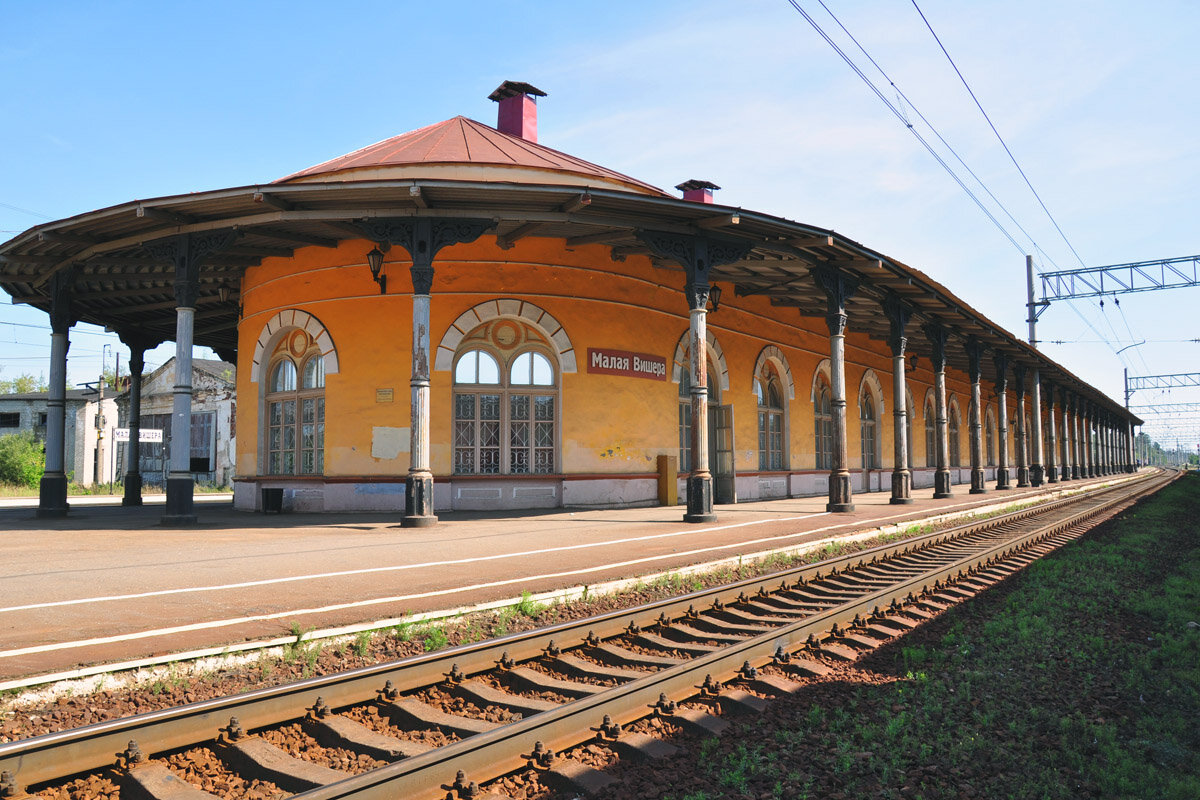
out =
column 462, row 168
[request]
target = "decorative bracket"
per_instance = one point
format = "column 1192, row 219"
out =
column 974, row 358
column 697, row 255
column 1001, row 361
column 898, row 313
column 839, row 287
column 186, row 251
column 938, row 335
column 423, row 237
column 60, row 300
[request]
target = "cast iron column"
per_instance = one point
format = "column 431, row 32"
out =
column 423, row 238
column 898, row 315
column 1130, row 465
column 838, row 287
column 418, row 486
column 1077, row 446
column 941, row 477
column 1051, row 436
column 1090, row 446
column 185, row 251
column 1001, row 362
column 1065, row 443
column 697, row 255
column 1037, row 471
column 52, row 493
column 133, row 450
column 1022, row 429
column 975, row 372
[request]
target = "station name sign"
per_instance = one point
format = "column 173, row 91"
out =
column 144, row 435
column 630, row 365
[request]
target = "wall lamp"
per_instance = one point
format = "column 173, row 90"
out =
column 375, row 261
column 714, row 294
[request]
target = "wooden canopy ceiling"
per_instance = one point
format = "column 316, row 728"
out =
column 118, row 284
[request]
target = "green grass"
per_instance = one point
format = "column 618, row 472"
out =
column 1081, row 680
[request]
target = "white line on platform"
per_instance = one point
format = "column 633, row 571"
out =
column 399, row 567
column 491, row 584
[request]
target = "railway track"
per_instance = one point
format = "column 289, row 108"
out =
column 441, row 724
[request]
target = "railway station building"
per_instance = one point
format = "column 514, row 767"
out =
column 461, row 317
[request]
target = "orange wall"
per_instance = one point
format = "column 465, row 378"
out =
column 609, row 424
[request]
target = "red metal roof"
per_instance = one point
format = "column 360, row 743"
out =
column 464, row 141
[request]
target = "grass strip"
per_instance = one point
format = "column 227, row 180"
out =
column 1079, row 677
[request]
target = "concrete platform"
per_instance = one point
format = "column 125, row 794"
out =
column 110, row 584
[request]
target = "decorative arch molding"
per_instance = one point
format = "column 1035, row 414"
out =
column 929, row 404
column 489, row 310
column 822, row 371
column 953, row 409
column 714, row 352
column 284, row 321
column 775, row 355
column 870, row 381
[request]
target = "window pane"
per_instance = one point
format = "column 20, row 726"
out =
column 467, row 369
column 289, row 412
column 518, row 434
column 489, row 434
column 489, row 370
column 543, row 461
column 464, row 461
column 543, row 373
column 308, row 410
column 519, row 407
column 518, row 462
column 284, row 378
column 464, row 406
column 522, row 370
column 489, row 461
column 276, row 413
column 544, row 407
column 543, row 434
column 464, row 434
column 314, row 372
column 489, row 406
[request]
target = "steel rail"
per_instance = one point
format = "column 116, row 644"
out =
column 52, row 756
column 506, row 749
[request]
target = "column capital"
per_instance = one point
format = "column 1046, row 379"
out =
column 61, row 318
column 1001, row 361
column 898, row 313
column 938, row 335
column 974, row 358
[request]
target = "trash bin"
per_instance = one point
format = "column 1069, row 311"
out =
column 272, row 501
column 668, row 480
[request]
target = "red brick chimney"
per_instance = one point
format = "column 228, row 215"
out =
column 518, row 109
column 697, row 191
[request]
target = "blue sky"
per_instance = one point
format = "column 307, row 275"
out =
column 106, row 103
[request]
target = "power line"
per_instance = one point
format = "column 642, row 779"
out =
column 904, row 119
column 998, row 136
column 900, row 115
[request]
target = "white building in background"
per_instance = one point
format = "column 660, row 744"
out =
column 90, row 426
column 213, row 437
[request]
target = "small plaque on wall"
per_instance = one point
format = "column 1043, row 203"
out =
column 384, row 395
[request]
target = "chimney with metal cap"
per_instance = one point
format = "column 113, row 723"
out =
column 697, row 191
column 518, row 109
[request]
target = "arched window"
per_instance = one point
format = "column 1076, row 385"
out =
column 868, row 430
column 930, row 437
column 955, row 448
column 769, row 390
column 823, row 425
column 296, row 410
column 505, row 402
